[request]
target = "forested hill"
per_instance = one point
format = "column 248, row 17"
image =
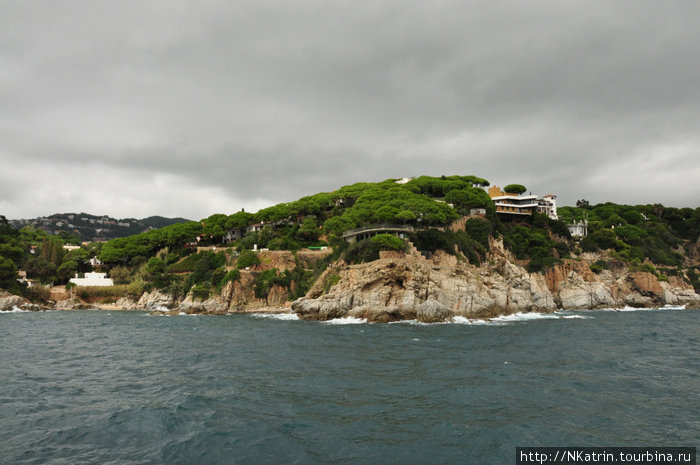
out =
column 83, row 227
column 438, row 213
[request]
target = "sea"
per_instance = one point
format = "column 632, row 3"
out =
column 107, row 387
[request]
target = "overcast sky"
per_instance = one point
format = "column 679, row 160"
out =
column 188, row 108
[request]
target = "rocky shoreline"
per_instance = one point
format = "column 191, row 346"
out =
column 407, row 286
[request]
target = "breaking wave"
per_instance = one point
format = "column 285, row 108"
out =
column 15, row 309
column 350, row 320
column 276, row 316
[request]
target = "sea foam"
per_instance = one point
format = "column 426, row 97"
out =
column 277, row 316
column 346, row 321
column 15, row 309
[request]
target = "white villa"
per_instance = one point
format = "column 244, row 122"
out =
column 523, row 205
column 548, row 206
column 92, row 279
column 578, row 228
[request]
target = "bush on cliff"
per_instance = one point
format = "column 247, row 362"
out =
column 246, row 259
column 388, row 242
column 361, row 252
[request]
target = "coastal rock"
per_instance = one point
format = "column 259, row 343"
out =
column 9, row 302
column 207, row 307
column 679, row 296
column 577, row 294
column 429, row 290
column 382, row 314
column 126, row 303
column 71, row 304
column 155, row 300
column 432, row 311
column 646, row 284
column 239, row 296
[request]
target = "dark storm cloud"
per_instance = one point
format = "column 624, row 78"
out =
column 188, row 108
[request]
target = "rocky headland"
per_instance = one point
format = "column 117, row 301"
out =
column 407, row 286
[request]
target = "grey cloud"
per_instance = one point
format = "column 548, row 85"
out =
column 248, row 103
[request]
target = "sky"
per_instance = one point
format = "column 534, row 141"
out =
column 189, row 108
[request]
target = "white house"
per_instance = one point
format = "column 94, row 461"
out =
column 548, row 205
column 578, row 228
column 92, row 279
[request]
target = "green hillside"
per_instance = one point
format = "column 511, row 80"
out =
column 647, row 237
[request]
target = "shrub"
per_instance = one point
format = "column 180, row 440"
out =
column 330, row 281
column 86, row 292
column 266, row 279
column 200, row 292
column 479, row 230
column 388, row 242
column 38, row 293
column 233, row 275
column 136, row 288
column 361, row 252
column 246, row 259
column 184, row 266
column 120, row 275
column 599, row 266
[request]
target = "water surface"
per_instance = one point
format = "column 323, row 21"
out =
column 125, row 387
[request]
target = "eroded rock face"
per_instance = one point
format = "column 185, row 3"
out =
column 432, row 311
column 155, row 300
column 71, row 304
column 646, row 284
column 126, row 303
column 9, row 302
column 206, row 307
column 410, row 287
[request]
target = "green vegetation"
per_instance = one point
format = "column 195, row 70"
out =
column 246, row 259
column 650, row 238
column 388, row 242
column 516, row 189
column 637, row 233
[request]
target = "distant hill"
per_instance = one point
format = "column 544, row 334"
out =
column 91, row 228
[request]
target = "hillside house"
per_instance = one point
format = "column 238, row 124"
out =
column 548, row 205
column 578, row 228
column 513, row 205
column 92, row 279
column 255, row 227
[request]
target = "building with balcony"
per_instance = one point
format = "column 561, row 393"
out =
column 513, row 205
column 548, row 205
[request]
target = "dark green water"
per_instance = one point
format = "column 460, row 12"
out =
column 123, row 387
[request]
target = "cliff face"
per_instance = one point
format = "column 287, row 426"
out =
column 402, row 286
column 410, row 287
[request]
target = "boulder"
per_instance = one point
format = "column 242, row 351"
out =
column 432, row 311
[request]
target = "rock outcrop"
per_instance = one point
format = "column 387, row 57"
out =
column 155, row 300
column 412, row 287
column 398, row 287
column 11, row 302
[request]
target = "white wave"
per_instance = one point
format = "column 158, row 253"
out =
column 526, row 317
column 15, row 309
column 672, row 307
column 162, row 308
column 277, row 316
column 569, row 316
column 350, row 320
column 460, row 320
